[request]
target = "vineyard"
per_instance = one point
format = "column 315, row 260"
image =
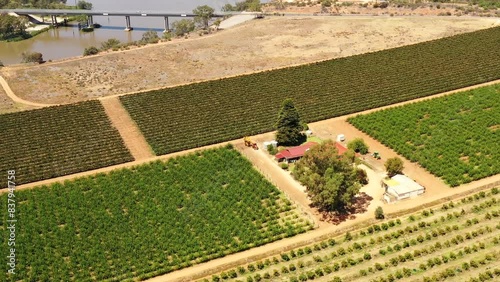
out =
column 179, row 118
column 454, row 137
column 459, row 241
column 148, row 220
column 56, row 141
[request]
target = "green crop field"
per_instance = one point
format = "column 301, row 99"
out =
column 459, row 241
column 56, row 141
column 189, row 116
column 147, row 220
column 455, row 137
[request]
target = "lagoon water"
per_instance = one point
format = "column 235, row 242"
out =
column 66, row 42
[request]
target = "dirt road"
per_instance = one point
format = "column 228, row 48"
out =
column 130, row 133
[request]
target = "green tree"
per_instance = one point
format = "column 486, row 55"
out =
column 92, row 50
column 217, row 23
column 167, row 36
column 246, row 5
column 203, row 15
column 331, row 182
column 83, row 5
column 150, row 37
column 289, row 127
column 11, row 26
column 379, row 213
column 110, row 44
column 82, row 19
column 358, row 145
column 32, row 57
column 394, row 166
column 183, row 26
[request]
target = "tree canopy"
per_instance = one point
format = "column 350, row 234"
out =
column 183, row 26
column 11, row 26
column 394, row 166
column 358, row 145
column 288, row 126
column 83, row 5
column 203, row 15
column 331, row 182
column 246, row 5
column 41, row 4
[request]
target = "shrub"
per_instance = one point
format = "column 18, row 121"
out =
column 284, row 166
column 379, row 213
column 110, row 44
column 89, row 51
column 348, row 236
column 150, row 37
column 358, row 145
column 32, row 57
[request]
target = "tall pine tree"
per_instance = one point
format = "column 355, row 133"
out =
column 289, row 127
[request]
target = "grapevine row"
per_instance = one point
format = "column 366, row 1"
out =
column 454, row 137
column 56, row 141
column 178, row 118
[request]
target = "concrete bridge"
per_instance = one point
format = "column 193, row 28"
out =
column 90, row 13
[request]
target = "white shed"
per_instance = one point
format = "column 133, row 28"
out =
column 401, row 187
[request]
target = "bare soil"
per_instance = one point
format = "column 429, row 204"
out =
column 409, row 9
column 7, row 105
column 257, row 45
column 128, row 129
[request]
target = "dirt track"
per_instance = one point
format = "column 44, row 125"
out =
column 130, row 133
column 257, row 45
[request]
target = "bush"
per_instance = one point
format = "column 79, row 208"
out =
column 362, row 176
column 284, row 166
column 271, row 149
column 150, row 37
column 32, row 57
column 394, row 166
column 89, row 51
column 358, row 145
column 110, row 44
column 379, row 213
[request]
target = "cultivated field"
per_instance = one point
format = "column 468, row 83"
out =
column 56, row 141
column 193, row 115
column 148, row 220
column 454, row 137
column 253, row 46
column 459, row 241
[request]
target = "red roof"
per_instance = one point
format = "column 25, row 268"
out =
column 340, row 148
column 295, row 152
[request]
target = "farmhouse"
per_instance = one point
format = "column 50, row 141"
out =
column 400, row 187
column 290, row 155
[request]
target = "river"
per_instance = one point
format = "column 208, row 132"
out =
column 65, row 42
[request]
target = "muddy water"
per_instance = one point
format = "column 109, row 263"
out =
column 67, row 42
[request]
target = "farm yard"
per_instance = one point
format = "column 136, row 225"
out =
column 56, row 141
column 454, row 137
column 189, row 116
column 149, row 220
column 457, row 241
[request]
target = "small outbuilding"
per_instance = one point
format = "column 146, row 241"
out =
column 401, row 187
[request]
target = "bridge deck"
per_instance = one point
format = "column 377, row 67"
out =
column 55, row 12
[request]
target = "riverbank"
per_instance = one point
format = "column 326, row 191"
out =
column 258, row 45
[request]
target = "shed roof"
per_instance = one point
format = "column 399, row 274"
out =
column 402, row 184
column 295, row 152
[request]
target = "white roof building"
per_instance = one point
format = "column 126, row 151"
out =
column 401, row 187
